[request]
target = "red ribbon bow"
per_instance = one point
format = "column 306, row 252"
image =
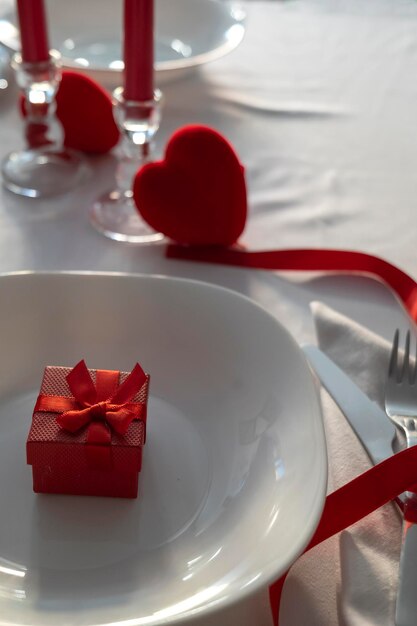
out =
column 103, row 406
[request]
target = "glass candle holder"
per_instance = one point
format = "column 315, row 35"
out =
column 114, row 214
column 44, row 167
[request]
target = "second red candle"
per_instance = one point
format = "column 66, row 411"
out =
column 138, row 49
column 33, row 30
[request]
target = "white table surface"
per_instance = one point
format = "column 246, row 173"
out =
column 320, row 103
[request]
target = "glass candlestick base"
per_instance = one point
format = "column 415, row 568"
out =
column 41, row 173
column 45, row 167
column 115, row 214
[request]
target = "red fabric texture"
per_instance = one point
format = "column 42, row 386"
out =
column 85, row 111
column 197, row 193
column 101, row 456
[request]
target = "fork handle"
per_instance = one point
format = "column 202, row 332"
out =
column 411, row 436
column 406, row 606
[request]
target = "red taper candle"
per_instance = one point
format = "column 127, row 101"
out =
column 33, row 30
column 138, row 49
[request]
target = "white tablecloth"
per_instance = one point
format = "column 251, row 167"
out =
column 320, row 103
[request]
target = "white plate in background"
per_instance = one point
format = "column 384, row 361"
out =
column 89, row 34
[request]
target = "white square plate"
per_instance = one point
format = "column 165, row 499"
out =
column 234, row 468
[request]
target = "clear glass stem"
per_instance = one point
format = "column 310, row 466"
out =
column 130, row 161
column 39, row 83
column 44, row 167
column 115, row 214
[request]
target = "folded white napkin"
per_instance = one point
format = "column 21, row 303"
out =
column 351, row 579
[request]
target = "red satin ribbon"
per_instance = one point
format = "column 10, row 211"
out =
column 356, row 500
column 308, row 261
column 390, row 478
column 104, row 406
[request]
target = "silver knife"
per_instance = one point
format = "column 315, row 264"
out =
column 372, row 427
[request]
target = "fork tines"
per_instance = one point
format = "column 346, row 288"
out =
column 408, row 368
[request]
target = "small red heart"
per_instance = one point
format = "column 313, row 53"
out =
column 85, row 111
column 197, row 194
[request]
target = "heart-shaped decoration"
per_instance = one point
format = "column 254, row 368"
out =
column 85, row 111
column 197, row 194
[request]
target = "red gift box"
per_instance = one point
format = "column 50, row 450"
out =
column 88, row 430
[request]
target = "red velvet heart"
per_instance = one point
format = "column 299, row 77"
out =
column 197, row 194
column 86, row 113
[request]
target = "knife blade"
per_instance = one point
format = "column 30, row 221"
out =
column 372, row 427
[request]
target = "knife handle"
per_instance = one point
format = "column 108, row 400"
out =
column 406, row 607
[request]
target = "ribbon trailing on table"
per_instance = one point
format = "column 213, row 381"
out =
column 308, row 260
column 356, row 500
column 103, row 407
column 388, row 479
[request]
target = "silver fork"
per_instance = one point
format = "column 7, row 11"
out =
column 401, row 390
column 401, row 408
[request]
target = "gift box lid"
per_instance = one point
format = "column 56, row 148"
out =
column 49, row 443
